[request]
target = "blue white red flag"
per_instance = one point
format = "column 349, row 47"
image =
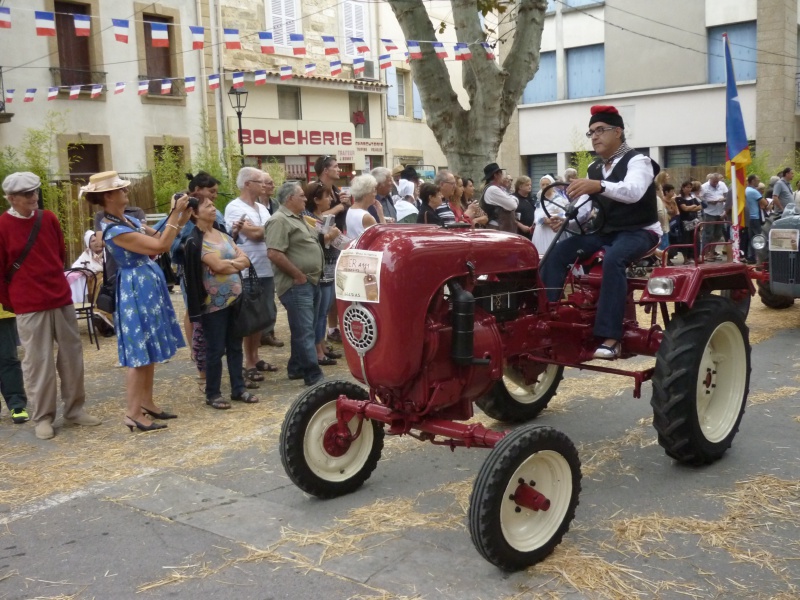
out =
column 29, row 94
column 489, row 51
column 390, row 45
column 261, row 77
column 83, row 25
column 267, row 43
column 96, row 91
column 331, row 47
column 52, row 93
column 298, row 43
column 120, row 30
column 119, row 88
column 358, row 65
column 360, row 45
column 159, row 34
column 74, row 92
column 238, row 79
column 311, row 69
column 286, row 72
column 414, row 49
column 438, row 47
column 232, row 41
column 144, row 87
column 5, row 17
column 188, row 84
column 336, row 68
column 213, row 81
column 198, row 36
column 385, row 61
column 10, row 96
column 462, row 51
column 45, row 23
column 166, row 87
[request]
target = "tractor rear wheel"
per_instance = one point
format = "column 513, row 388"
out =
column 511, row 400
column 543, row 461
column 771, row 300
column 701, row 381
column 310, row 454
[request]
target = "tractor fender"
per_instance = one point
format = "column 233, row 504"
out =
column 694, row 281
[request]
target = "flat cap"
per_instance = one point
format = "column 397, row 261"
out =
column 23, row 181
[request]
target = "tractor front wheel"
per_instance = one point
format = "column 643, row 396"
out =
column 524, row 497
column 314, row 458
column 512, row 400
column 701, row 381
column 771, row 300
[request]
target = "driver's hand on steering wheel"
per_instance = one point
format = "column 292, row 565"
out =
column 579, row 187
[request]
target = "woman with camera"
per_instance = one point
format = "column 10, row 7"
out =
column 213, row 284
column 147, row 330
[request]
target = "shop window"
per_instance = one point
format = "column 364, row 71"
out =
column 586, row 71
column 289, row 103
column 359, row 113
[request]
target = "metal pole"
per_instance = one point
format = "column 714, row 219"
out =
column 241, row 141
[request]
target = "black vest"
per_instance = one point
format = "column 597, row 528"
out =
column 618, row 215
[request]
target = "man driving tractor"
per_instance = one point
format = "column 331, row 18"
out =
column 621, row 182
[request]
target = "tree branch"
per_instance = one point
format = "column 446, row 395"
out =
column 522, row 59
column 468, row 30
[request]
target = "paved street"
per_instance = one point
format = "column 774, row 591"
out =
column 204, row 509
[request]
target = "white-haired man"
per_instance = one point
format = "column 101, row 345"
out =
column 246, row 218
column 384, row 192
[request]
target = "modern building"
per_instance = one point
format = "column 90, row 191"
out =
column 662, row 65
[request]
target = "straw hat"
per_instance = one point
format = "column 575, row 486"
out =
column 104, row 182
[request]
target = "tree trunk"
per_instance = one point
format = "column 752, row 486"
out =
column 470, row 138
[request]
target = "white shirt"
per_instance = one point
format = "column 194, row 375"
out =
column 497, row 196
column 629, row 190
column 714, row 197
column 255, row 251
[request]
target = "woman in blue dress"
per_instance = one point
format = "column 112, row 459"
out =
column 147, row 330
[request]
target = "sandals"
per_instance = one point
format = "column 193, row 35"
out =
column 245, row 397
column 326, row 361
column 265, row 366
column 253, row 374
column 219, row 403
column 606, row 352
column 334, row 354
column 251, row 385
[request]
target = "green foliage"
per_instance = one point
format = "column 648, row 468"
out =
column 207, row 158
column 276, row 171
column 169, row 174
column 10, row 162
column 581, row 157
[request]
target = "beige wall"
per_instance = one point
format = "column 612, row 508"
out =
column 729, row 11
column 636, row 63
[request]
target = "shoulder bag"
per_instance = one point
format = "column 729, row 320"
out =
column 15, row 266
column 251, row 312
column 107, row 296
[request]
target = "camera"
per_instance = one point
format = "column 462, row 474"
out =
column 193, row 202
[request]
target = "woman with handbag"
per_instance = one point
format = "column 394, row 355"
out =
column 212, row 263
column 147, row 330
column 690, row 208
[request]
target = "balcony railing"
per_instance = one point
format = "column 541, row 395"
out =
column 69, row 77
column 154, row 87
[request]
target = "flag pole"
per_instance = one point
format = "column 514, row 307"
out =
column 734, row 213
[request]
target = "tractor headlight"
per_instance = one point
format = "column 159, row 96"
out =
column 661, row 286
column 759, row 242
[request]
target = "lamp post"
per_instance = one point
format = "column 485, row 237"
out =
column 238, row 100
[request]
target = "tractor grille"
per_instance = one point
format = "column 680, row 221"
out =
column 784, row 267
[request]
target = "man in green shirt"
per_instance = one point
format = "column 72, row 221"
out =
column 295, row 252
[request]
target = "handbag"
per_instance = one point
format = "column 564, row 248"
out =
column 691, row 225
column 251, row 313
column 107, row 296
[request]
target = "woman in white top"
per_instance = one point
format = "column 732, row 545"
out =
column 545, row 227
column 363, row 189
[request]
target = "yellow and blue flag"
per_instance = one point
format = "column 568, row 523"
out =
column 737, row 150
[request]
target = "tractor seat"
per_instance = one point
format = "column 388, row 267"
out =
column 597, row 257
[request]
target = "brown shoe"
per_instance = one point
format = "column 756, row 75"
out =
column 268, row 339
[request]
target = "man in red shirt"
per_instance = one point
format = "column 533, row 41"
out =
column 37, row 291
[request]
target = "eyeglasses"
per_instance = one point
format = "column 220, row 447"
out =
column 598, row 131
column 28, row 194
column 258, row 181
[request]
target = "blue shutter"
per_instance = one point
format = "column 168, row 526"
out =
column 586, row 71
column 417, row 101
column 743, row 51
column 391, row 93
column 542, row 88
column 551, row 6
column 579, row 3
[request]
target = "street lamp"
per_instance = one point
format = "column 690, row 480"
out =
column 238, row 100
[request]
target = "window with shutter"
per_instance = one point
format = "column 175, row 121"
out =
column 391, row 93
column 289, row 103
column 354, row 24
column 285, row 19
column 416, row 100
column 401, row 93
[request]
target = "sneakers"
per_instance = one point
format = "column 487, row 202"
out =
column 84, row 419
column 44, row 430
column 19, row 415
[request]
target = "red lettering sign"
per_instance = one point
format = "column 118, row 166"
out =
column 274, row 139
column 292, row 137
column 327, row 137
column 314, row 138
column 302, row 137
column 347, row 139
column 288, row 137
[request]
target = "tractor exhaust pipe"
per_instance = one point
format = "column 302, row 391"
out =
column 463, row 324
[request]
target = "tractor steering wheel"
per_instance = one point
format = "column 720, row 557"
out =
column 592, row 225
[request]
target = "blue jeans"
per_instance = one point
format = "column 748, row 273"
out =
column 219, row 337
column 302, row 304
column 621, row 248
column 325, row 301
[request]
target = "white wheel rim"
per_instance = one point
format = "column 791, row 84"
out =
column 527, row 530
column 524, row 393
column 335, row 468
column 721, row 381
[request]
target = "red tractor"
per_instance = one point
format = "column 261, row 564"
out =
column 438, row 319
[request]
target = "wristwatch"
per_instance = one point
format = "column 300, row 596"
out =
column 602, row 187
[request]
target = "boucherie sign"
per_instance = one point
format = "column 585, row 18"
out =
column 277, row 136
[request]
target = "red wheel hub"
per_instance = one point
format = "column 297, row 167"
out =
column 527, row 497
column 335, row 444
